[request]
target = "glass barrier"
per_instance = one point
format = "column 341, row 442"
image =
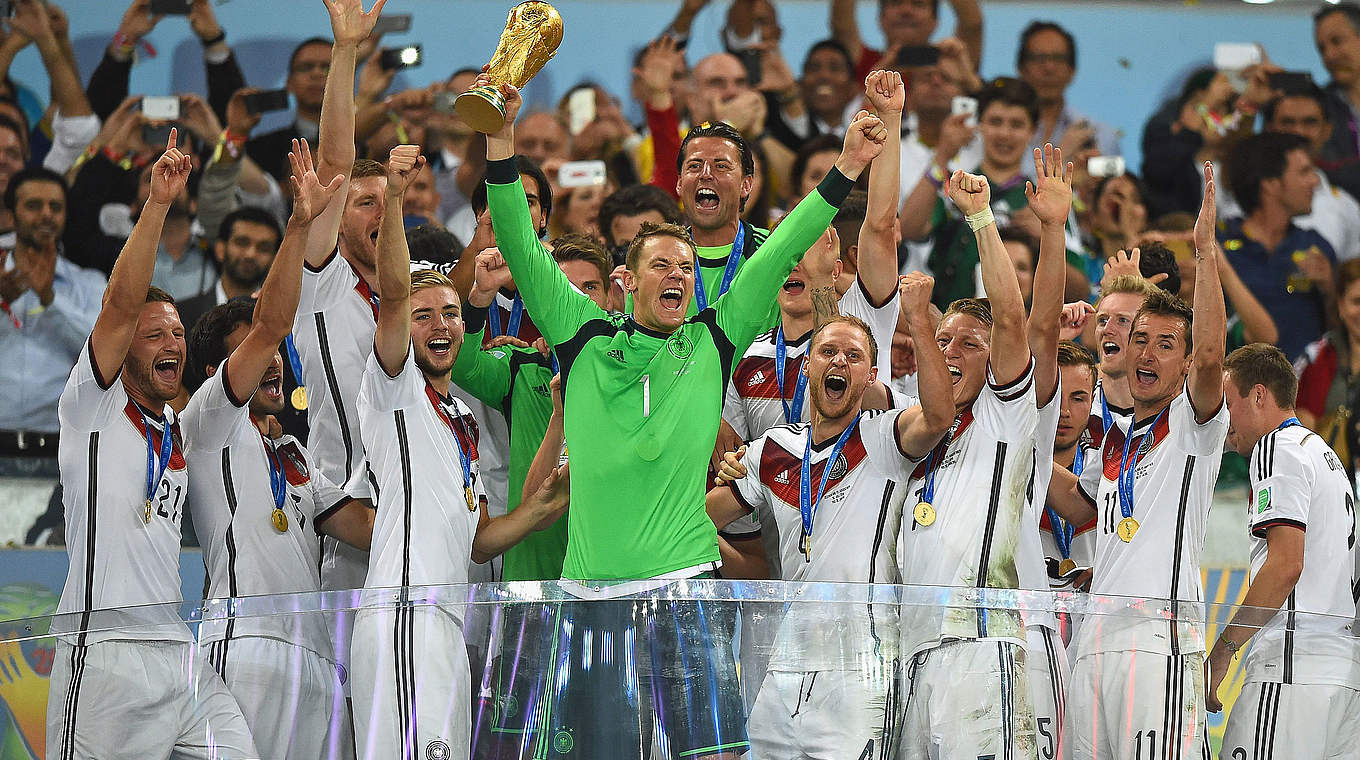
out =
column 679, row 669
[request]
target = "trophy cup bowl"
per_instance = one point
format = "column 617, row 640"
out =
column 532, row 33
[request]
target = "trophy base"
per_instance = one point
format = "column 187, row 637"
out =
column 481, row 108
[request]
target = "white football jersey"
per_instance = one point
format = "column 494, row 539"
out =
column 854, row 531
column 753, row 402
column 1029, row 558
column 1082, row 550
column 1103, row 416
column 118, row 557
column 1173, row 488
column 1297, row 480
column 333, row 332
column 982, row 473
column 424, row 529
column 233, row 505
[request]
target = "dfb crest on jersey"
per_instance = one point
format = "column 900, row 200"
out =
column 437, row 750
column 680, row 345
column 839, row 468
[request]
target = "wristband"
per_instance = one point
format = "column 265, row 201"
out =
column 937, row 176
column 221, row 35
column 980, row 219
column 125, row 44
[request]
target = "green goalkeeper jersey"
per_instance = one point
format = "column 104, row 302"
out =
column 514, row 381
column 642, row 407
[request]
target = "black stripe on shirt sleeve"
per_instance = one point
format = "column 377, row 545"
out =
column 1259, row 531
column 732, row 486
column 328, row 513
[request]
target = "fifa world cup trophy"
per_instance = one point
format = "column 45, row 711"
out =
column 532, row 33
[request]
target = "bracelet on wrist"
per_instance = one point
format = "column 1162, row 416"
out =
column 220, row 36
column 937, row 176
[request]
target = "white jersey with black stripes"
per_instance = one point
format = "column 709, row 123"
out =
column 1298, row 481
column 980, row 475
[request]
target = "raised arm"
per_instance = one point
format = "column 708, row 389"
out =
column 350, row 26
column 740, row 312
column 972, row 195
column 392, row 341
column 131, row 276
column 278, row 302
column 968, row 27
column 1210, row 324
column 845, row 29
column 1051, row 201
column 919, row 431
column 1257, row 324
column 558, row 309
column 878, row 236
column 478, row 372
column 31, row 19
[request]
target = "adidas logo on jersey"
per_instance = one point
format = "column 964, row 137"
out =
column 614, row 354
column 756, row 379
column 782, row 477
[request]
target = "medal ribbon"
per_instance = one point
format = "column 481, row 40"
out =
column 1061, row 529
column 277, row 485
column 729, row 271
column 155, row 467
column 794, row 413
column 493, row 318
column 955, row 430
column 552, row 360
column 806, row 505
column 464, row 458
column 294, row 361
column 1291, row 422
column 1106, row 418
column 1126, row 468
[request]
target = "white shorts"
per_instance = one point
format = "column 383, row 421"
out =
column 966, row 700
column 1295, row 721
column 138, row 700
column 412, row 690
column 1135, row 705
column 822, row 715
column 286, row 693
column 1048, row 671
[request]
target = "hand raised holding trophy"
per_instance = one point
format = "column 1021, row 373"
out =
column 532, row 33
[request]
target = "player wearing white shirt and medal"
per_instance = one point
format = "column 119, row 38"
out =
column 1138, row 680
column 259, row 505
column 1050, row 198
column 758, row 395
column 411, row 681
column 1301, row 698
column 966, row 693
column 1122, row 291
column 127, row 681
column 1069, row 550
column 337, row 313
column 835, row 489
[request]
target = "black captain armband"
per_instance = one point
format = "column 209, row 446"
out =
column 835, row 186
column 502, row 171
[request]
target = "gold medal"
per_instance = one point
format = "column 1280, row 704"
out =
column 925, row 514
column 148, row 511
column 471, row 500
column 280, row 520
column 1128, row 528
column 299, row 398
column 1066, row 566
column 807, row 547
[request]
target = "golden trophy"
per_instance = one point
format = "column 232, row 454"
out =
column 532, row 33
